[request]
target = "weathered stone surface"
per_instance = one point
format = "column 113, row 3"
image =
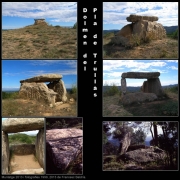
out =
column 138, row 97
column 63, row 145
column 29, row 171
column 149, row 30
column 38, row 91
column 13, row 125
column 123, row 85
column 142, row 29
column 145, row 155
column 126, row 31
column 135, row 18
column 125, row 143
column 138, row 146
column 153, row 86
column 5, row 153
column 43, row 78
column 59, row 87
column 140, row 75
column 40, row 22
column 23, row 149
column 39, row 147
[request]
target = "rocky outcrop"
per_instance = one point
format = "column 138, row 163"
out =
column 151, row 89
column 63, row 146
column 141, row 29
column 39, row 147
column 13, row 125
column 145, row 155
column 125, row 143
column 35, row 88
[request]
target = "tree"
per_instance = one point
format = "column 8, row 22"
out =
column 75, row 26
column 138, row 137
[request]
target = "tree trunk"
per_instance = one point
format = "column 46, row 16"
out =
column 155, row 134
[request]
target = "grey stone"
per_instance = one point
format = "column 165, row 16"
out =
column 13, row 125
column 5, row 153
column 135, row 18
column 140, row 75
column 63, row 146
column 123, row 85
column 43, row 78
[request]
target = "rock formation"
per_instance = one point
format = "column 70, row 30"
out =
column 40, row 21
column 13, row 125
column 141, row 28
column 151, row 89
column 145, row 155
column 63, row 146
column 35, row 88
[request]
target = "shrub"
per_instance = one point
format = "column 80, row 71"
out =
column 170, row 109
column 6, row 95
column 75, row 26
column 111, row 91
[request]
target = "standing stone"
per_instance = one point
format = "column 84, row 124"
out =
column 39, row 147
column 153, row 86
column 123, row 85
column 5, row 153
column 125, row 143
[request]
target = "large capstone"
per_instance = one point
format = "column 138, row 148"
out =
column 44, row 78
column 140, row 75
column 14, row 125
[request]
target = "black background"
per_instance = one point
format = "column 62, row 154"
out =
column 89, row 107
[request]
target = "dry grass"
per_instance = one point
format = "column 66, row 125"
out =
column 20, row 107
column 113, row 107
column 39, row 41
column 164, row 48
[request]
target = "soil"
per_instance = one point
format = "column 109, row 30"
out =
column 20, row 162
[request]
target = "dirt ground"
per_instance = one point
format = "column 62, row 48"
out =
column 20, row 162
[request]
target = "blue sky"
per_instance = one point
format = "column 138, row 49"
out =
column 115, row 13
column 25, row 132
column 15, row 70
column 20, row 14
column 112, row 70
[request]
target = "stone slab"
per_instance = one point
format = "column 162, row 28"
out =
column 44, row 78
column 63, row 146
column 135, row 18
column 140, row 75
column 14, row 125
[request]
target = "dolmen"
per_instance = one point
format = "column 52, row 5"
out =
column 150, row 90
column 35, row 88
column 141, row 29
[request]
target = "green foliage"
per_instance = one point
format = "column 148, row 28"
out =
column 21, row 138
column 172, row 89
column 73, row 89
column 111, row 91
column 6, row 95
column 75, row 26
column 138, row 137
column 170, row 108
column 105, row 140
column 173, row 35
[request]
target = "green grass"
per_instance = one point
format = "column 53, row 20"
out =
column 6, row 95
column 21, row 138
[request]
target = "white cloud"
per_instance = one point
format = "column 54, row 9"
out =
column 172, row 67
column 58, row 11
column 116, row 12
